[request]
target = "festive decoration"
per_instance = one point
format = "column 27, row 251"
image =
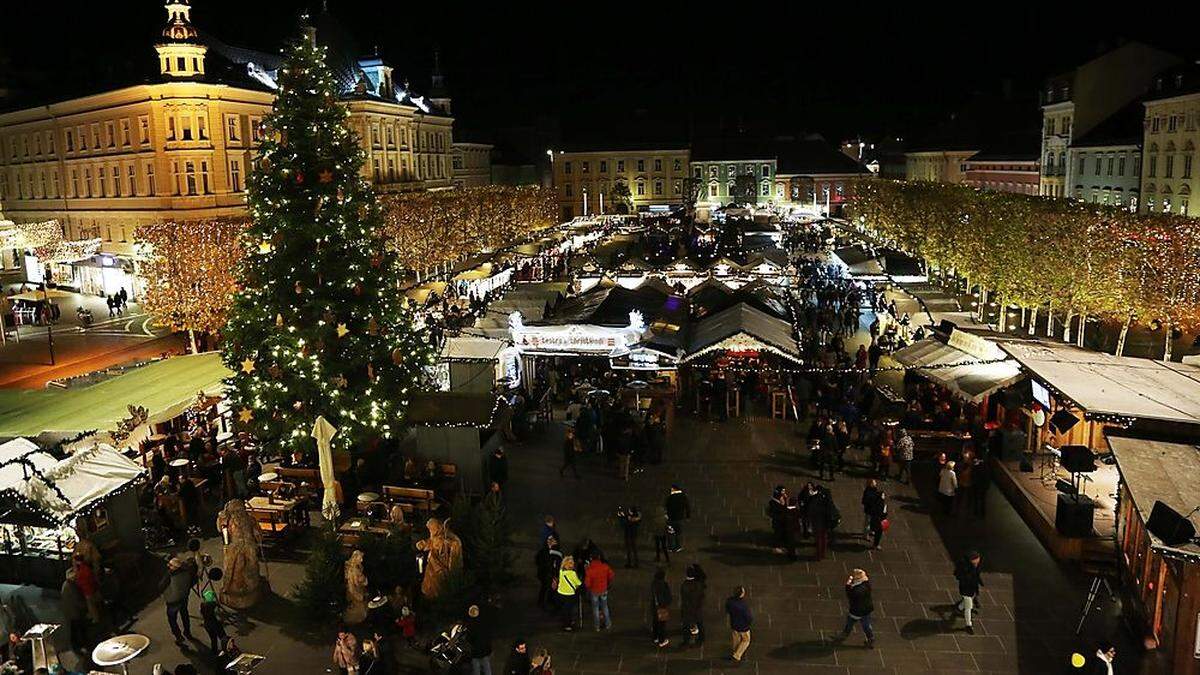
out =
column 248, row 365
column 322, row 247
column 245, row 415
column 190, row 270
column 431, row 228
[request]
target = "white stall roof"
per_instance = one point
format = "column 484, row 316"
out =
column 975, row 378
column 472, row 349
column 1103, row 384
column 62, row 488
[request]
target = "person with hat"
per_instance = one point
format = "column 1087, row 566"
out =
column 860, row 607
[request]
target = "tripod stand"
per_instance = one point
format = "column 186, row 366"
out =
column 1097, row 581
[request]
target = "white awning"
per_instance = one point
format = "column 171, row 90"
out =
column 972, row 380
column 61, row 489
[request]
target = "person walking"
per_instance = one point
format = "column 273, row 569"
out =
column 905, row 448
column 180, row 576
column 969, row 582
column 518, row 662
column 631, row 521
column 965, row 468
column 498, row 466
column 571, row 451
column 679, row 509
column 547, row 561
column 479, row 640
column 947, row 487
column 874, row 502
column 740, row 621
column 598, row 576
column 860, row 607
column 691, row 605
column 660, row 606
column 345, row 652
column 1105, row 655
column 823, row 517
column 566, row 591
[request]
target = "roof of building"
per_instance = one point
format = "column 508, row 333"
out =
column 610, row 305
column 1124, row 127
column 732, row 150
column 757, row 328
column 1103, row 384
column 814, row 157
column 1179, row 80
column 1160, row 471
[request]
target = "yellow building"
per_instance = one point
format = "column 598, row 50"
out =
column 180, row 149
column 585, row 180
column 1170, row 175
column 936, row 166
column 472, row 164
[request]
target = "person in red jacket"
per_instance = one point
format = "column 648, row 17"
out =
column 598, row 578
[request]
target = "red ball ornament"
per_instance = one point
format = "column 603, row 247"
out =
column 299, row 177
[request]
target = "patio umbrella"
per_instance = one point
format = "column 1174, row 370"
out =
column 324, row 432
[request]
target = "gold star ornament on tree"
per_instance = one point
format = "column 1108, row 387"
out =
column 342, row 331
column 248, row 365
column 245, row 415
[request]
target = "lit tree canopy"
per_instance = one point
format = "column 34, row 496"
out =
column 318, row 327
column 191, row 272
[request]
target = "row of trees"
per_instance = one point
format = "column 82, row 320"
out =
column 431, row 228
column 1057, row 255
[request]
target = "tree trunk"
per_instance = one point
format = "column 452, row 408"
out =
column 1002, row 320
column 1082, row 329
column 982, row 303
column 192, row 341
column 1050, row 321
column 1033, row 320
column 1167, row 343
column 1124, row 334
column 1024, row 315
column 1066, row 335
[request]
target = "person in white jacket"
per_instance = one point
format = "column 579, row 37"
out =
column 947, row 487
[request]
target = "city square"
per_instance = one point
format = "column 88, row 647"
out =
column 327, row 345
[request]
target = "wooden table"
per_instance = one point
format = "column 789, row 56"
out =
column 355, row 529
column 286, row 506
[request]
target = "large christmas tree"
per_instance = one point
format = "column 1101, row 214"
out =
column 318, row 326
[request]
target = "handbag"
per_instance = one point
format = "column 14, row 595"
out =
column 885, row 524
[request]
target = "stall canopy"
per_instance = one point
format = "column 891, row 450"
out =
column 165, row 388
column 743, row 328
column 1103, row 384
column 452, row 409
column 1160, row 471
column 61, row 489
column 611, row 306
column 980, row 374
column 472, row 349
column 859, row 262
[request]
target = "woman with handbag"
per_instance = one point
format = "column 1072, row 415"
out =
column 660, row 605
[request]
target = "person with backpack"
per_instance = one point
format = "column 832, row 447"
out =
column 548, row 561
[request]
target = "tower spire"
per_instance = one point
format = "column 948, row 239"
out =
column 180, row 54
column 439, row 96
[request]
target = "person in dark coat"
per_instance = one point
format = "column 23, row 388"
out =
column 860, row 606
column 679, row 509
column 820, row 512
column 969, row 580
column 479, row 640
column 498, row 466
column 385, row 662
column 517, row 662
column 548, row 559
column 631, row 521
column 181, row 575
column 691, row 605
column 981, row 481
column 660, row 607
column 571, row 451
column 74, row 610
column 780, row 509
column 874, row 503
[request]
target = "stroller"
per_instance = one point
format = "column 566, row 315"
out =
column 448, row 650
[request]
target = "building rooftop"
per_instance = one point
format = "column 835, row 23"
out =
column 1124, row 127
column 814, row 157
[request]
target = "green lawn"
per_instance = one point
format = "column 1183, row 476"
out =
column 159, row 387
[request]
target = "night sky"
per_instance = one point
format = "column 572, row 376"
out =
column 617, row 70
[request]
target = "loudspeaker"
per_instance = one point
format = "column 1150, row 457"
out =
column 1169, row 526
column 1073, row 517
column 1062, row 421
column 1078, row 458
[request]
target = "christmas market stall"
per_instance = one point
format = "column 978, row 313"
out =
column 740, row 350
column 1066, row 477
column 859, row 263
column 1160, row 578
column 47, row 504
column 457, row 431
column 475, row 364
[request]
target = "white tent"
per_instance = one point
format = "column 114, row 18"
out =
column 62, row 488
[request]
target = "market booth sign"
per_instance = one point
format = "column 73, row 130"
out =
column 576, row 338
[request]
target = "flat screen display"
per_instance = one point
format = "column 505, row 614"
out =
column 1040, row 394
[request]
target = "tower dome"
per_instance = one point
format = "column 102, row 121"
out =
column 180, row 55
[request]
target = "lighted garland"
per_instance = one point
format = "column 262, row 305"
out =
column 190, row 271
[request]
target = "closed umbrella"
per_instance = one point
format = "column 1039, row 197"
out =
column 324, row 432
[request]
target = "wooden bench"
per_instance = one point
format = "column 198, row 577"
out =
column 420, row 498
column 273, row 524
column 292, row 474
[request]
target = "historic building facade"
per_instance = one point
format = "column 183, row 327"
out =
column 182, row 148
column 1170, row 175
column 936, row 166
column 1002, row 172
column 585, row 180
column 472, row 164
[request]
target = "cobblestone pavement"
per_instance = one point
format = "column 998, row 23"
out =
column 1030, row 604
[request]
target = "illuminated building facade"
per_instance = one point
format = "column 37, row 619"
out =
column 584, row 180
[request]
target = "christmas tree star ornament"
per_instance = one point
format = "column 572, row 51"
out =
column 326, row 176
column 248, row 365
column 342, row 331
column 245, row 415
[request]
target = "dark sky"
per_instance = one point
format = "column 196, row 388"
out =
column 623, row 69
